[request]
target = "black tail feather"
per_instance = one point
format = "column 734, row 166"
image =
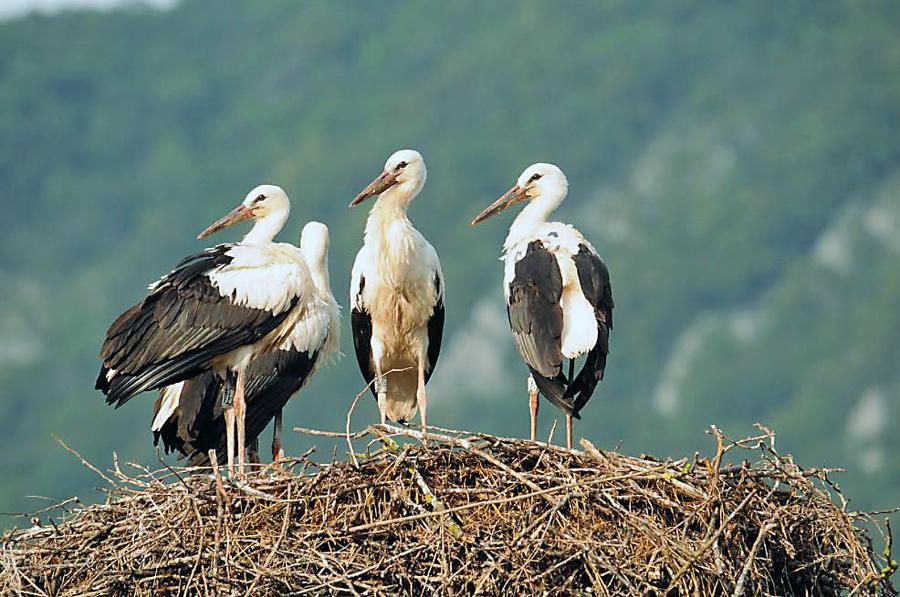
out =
column 102, row 383
column 572, row 393
column 582, row 387
column 554, row 390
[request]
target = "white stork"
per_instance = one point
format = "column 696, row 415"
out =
column 397, row 294
column 217, row 310
column 558, row 295
column 189, row 417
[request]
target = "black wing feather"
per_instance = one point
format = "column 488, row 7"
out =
column 271, row 380
column 361, row 325
column 595, row 284
column 535, row 315
column 594, row 277
column 536, row 320
column 172, row 334
column 435, row 330
column 198, row 396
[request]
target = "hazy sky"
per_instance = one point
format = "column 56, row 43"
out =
column 16, row 8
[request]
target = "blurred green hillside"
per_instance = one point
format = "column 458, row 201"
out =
column 736, row 164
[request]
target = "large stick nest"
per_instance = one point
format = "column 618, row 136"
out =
column 467, row 514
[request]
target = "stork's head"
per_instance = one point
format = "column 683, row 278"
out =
column 314, row 242
column 539, row 182
column 404, row 171
column 264, row 202
column 314, row 246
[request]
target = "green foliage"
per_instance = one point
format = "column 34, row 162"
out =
column 725, row 137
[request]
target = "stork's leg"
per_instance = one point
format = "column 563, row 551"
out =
column 533, row 403
column 422, row 399
column 229, row 439
column 277, row 450
column 240, row 412
column 253, row 451
column 569, row 431
column 381, row 390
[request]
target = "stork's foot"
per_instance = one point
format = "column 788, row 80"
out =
column 240, row 414
column 381, row 390
column 277, row 456
column 229, row 433
column 277, row 449
column 422, row 399
column 422, row 413
column 424, row 432
column 533, row 406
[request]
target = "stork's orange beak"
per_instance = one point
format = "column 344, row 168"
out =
column 508, row 199
column 241, row 212
column 384, row 181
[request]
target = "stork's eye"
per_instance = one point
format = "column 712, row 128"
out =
column 534, row 177
column 401, row 165
column 259, row 198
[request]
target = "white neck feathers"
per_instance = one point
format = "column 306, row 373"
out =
column 266, row 227
column 532, row 217
column 390, row 206
column 318, row 269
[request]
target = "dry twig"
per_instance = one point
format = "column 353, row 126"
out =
column 533, row 519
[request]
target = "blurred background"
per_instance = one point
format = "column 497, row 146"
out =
column 736, row 164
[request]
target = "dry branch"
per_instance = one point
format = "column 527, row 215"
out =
column 467, row 514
